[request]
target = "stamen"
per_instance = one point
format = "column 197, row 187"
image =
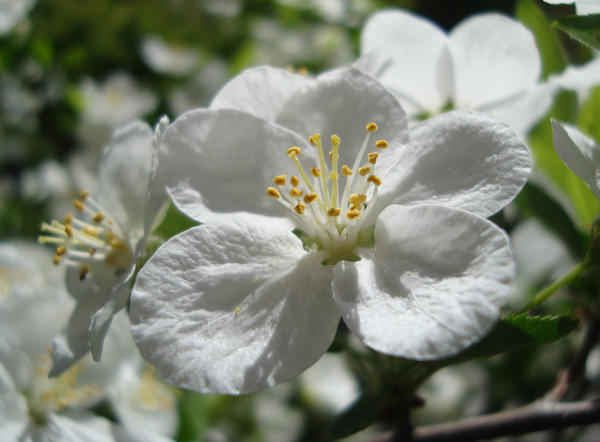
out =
column 315, row 172
column 381, row 144
column 352, row 213
column 274, row 193
column 84, row 194
column 83, row 271
column 299, row 209
column 61, row 250
column 364, row 170
column 374, row 179
column 98, row 217
column 346, row 171
column 78, row 205
column 310, row 197
column 372, row 127
column 279, row 180
column 56, row 259
column 293, row 151
column 294, row 181
column 296, row 192
column 334, row 211
column 372, row 156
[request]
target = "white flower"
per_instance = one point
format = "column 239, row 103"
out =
column 488, row 62
column 581, row 78
column 168, row 59
column 12, row 12
column 32, row 406
column 582, row 7
column 579, row 152
column 102, row 241
column 241, row 303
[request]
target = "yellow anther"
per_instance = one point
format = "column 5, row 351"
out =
column 371, row 127
column 296, row 192
column 293, row 151
column 68, row 219
column 353, row 213
column 274, row 193
column 315, row 172
column 335, row 140
column 84, row 194
column 362, row 171
column 69, row 230
column 295, row 181
column 314, row 139
column 92, row 251
column 333, row 175
column 310, row 197
column 78, row 205
column 237, row 310
column 372, row 157
column 374, row 179
column 381, row 144
column 89, row 230
column 83, row 271
column 346, row 171
column 334, row 211
column 279, row 180
column 356, row 200
column 56, row 259
column 61, row 250
column 299, row 209
column 98, row 217
column 302, row 71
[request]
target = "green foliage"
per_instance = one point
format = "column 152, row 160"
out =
column 589, row 115
column 583, row 28
column 529, row 13
column 173, row 223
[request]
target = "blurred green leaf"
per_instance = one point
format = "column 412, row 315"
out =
column 173, row 223
column 589, row 116
column 542, row 328
column 529, row 13
column 583, row 28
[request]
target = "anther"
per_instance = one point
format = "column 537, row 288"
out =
column 310, row 197
column 293, row 151
column 296, row 192
column 299, row 209
column 346, row 171
column 381, row 144
column 353, row 213
column 279, row 180
column 372, row 157
column 84, row 194
column 334, row 211
column 83, row 271
column 362, row 171
column 295, row 181
column 98, row 217
column 314, row 139
column 315, row 172
column 92, row 251
column 89, row 230
column 61, row 250
column 78, row 205
column 374, row 179
column 69, row 230
column 274, row 193
column 356, row 200
column 68, row 219
column 56, row 259
column 371, row 127
column 335, row 140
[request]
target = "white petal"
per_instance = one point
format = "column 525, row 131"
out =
column 459, row 159
column 584, row 7
column 223, row 161
column 234, row 307
column 431, row 286
column 579, row 152
column 495, row 57
column 125, row 170
column 74, row 426
column 581, row 78
column 260, row 91
column 13, row 415
column 343, row 102
column 521, row 113
column 419, row 73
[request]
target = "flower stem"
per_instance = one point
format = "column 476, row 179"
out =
column 546, row 292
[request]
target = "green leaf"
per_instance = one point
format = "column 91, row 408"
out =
column 589, row 115
column 583, row 28
column 585, row 204
column 173, row 223
column 529, row 13
column 542, row 328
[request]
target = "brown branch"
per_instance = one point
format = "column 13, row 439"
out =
column 535, row 417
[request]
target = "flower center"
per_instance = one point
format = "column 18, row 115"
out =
column 48, row 395
column 87, row 238
column 332, row 213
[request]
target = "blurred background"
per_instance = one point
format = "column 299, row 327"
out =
column 73, row 70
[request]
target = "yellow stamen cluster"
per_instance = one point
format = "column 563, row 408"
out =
column 318, row 198
column 89, row 237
